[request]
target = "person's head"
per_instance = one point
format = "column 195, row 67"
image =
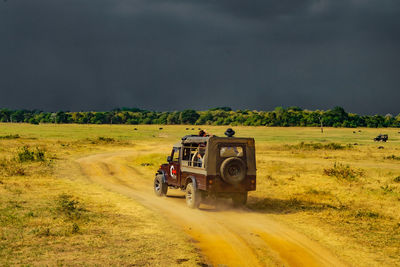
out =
column 202, row 133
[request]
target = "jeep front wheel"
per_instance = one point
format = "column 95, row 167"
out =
column 193, row 196
column 160, row 188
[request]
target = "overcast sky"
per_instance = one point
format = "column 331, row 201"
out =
column 172, row 55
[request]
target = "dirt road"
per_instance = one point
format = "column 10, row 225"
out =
column 225, row 236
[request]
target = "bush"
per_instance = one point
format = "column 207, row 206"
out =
column 393, row 157
column 387, row 189
column 69, row 206
column 397, row 179
column 342, row 171
column 366, row 214
column 317, row 146
column 102, row 140
column 106, row 139
column 10, row 136
column 75, row 228
column 25, row 155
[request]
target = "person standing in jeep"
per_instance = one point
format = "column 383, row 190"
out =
column 209, row 166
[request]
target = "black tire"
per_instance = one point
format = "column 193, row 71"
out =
column 193, row 197
column 160, row 188
column 233, row 170
column 239, row 199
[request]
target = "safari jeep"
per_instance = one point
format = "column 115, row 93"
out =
column 209, row 167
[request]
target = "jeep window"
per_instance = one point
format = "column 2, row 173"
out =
column 175, row 155
column 231, row 151
column 193, row 155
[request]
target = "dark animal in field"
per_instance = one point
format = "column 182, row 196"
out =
column 160, row 128
column 192, row 128
column 359, row 131
column 199, row 129
column 135, row 129
column 381, row 137
column 381, row 147
column 187, row 129
column 355, row 144
column 354, row 131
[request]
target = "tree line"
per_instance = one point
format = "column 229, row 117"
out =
column 286, row 117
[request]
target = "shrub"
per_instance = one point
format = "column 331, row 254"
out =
column 102, row 139
column 393, row 157
column 397, row 179
column 342, row 171
column 69, row 206
column 25, row 155
column 366, row 214
column 75, row 228
column 39, row 154
column 387, row 189
column 10, row 136
column 317, row 146
column 106, row 139
column 313, row 191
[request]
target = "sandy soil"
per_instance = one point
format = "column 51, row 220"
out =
column 225, row 236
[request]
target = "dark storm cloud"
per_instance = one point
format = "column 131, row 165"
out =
column 166, row 55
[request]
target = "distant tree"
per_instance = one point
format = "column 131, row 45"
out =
column 33, row 121
column 221, row 108
column 292, row 116
column 61, row 117
column 18, row 115
column 173, row 118
column 294, row 108
column 205, row 118
column 189, row 116
column 5, row 115
column 163, row 118
column 99, row 118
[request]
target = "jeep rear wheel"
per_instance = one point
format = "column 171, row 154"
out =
column 160, row 188
column 193, row 196
column 239, row 199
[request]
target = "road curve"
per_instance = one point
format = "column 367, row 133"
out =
column 225, row 236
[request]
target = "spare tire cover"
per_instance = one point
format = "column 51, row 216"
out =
column 233, row 170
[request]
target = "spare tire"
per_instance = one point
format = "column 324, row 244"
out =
column 233, row 170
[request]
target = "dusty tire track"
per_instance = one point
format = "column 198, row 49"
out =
column 227, row 237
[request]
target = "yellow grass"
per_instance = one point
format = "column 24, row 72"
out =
column 358, row 218
column 101, row 228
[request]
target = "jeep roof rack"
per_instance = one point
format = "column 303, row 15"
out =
column 194, row 139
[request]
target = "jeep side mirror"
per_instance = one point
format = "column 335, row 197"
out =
column 169, row 159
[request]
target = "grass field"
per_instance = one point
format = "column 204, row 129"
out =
column 338, row 188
